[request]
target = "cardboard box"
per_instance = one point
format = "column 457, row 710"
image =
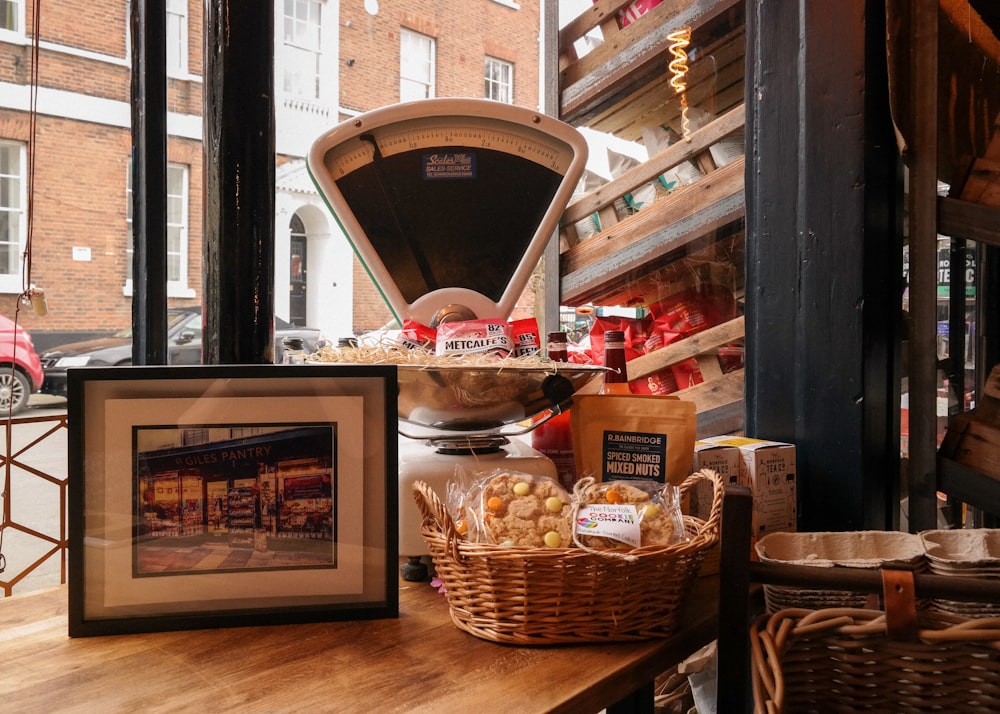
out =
column 768, row 469
column 724, row 459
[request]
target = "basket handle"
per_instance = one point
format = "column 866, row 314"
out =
column 436, row 517
column 714, row 521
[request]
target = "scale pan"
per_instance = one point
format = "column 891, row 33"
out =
column 468, row 399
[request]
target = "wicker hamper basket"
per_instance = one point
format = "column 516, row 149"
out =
column 843, row 660
column 542, row 596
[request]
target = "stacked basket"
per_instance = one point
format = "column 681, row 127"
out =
column 541, row 596
column 970, row 553
column 854, row 549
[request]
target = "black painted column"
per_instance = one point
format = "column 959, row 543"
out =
column 824, row 271
column 239, row 183
column 149, row 182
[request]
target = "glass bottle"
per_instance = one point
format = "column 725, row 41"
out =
column 554, row 437
column 616, row 376
column 292, row 351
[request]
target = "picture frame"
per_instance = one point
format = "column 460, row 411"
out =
column 205, row 496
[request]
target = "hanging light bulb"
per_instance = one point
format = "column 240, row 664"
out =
column 678, row 66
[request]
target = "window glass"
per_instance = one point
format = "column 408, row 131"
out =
column 12, row 188
column 176, row 222
column 177, row 36
column 416, row 66
column 190, row 330
column 10, row 15
column 177, row 226
column 301, row 34
column 499, row 80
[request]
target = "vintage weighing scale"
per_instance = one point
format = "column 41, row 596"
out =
column 449, row 204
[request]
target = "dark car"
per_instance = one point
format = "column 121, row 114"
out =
column 184, row 327
column 20, row 368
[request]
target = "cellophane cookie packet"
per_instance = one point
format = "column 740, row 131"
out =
column 626, row 514
column 512, row 508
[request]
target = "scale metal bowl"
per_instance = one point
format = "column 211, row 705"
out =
column 466, row 400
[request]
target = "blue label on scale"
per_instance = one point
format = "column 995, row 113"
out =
column 458, row 165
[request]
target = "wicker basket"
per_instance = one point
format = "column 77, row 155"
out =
column 842, row 660
column 853, row 549
column 542, row 596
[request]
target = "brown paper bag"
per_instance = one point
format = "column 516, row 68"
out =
column 637, row 436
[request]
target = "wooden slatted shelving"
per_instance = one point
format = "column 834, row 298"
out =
column 693, row 232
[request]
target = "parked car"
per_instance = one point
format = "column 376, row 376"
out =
column 20, row 368
column 184, row 328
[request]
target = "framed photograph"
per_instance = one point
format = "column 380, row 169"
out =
column 210, row 496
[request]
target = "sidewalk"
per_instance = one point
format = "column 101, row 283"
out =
column 159, row 555
column 46, row 400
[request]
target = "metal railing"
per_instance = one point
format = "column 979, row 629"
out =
column 33, row 531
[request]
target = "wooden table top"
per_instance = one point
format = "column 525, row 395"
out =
column 419, row 662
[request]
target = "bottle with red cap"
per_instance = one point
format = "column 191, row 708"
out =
column 554, row 438
column 616, row 376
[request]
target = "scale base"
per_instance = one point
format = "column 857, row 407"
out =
column 421, row 461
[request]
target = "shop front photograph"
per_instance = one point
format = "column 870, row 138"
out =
column 263, row 500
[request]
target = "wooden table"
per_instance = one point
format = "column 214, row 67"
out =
column 419, row 662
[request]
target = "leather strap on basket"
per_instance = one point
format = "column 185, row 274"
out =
column 900, row 598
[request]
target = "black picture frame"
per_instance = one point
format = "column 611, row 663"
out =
column 208, row 496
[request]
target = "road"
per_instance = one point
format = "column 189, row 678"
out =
column 34, row 502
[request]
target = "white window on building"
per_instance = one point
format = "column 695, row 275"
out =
column 301, row 35
column 13, row 221
column 12, row 16
column 177, row 37
column 499, row 80
column 177, row 232
column 416, row 66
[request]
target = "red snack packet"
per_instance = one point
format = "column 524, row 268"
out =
column 469, row 337
column 731, row 358
column 415, row 336
column 684, row 314
column 661, row 382
column 687, row 373
column 690, row 311
column 578, row 355
column 527, row 341
column 636, row 334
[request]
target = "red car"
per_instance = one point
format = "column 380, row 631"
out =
column 20, row 369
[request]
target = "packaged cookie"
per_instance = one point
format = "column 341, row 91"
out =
column 462, row 503
column 622, row 514
column 525, row 510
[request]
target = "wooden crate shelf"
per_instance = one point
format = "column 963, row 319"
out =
column 689, row 233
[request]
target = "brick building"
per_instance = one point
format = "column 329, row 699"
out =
column 333, row 60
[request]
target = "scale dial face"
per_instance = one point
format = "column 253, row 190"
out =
column 449, row 203
column 438, row 132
